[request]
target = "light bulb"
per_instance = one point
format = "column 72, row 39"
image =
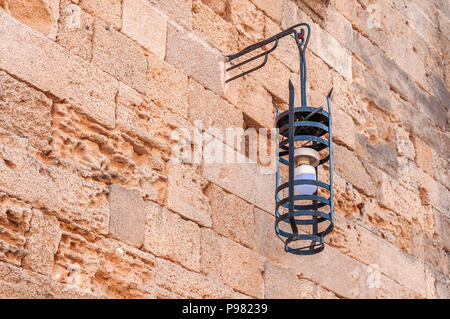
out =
column 305, row 172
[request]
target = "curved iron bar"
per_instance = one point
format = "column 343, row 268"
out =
column 292, row 30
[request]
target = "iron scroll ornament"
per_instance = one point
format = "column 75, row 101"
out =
column 301, row 220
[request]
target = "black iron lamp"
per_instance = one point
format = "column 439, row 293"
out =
column 304, row 205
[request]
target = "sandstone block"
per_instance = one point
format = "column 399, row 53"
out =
column 338, row 26
column 42, row 243
column 50, row 68
column 399, row 199
column 55, row 188
column 256, row 106
column 219, row 6
column 167, row 86
column 282, row 283
column 272, row 9
column 148, row 27
column 178, row 10
column 237, row 266
column 75, row 30
column 354, row 241
column 127, row 220
column 232, row 217
column 211, row 110
column 382, row 154
column 25, row 112
column 328, row 48
column 347, row 277
column 220, row 33
column 41, row 15
column 275, row 79
column 401, row 267
column 190, row 203
column 116, row 54
column 110, row 11
column 343, row 128
column 189, row 284
column 190, row 54
column 350, row 167
column 403, row 143
column 19, row 283
column 248, row 20
column 390, row 289
column 167, row 235
column 245, row 179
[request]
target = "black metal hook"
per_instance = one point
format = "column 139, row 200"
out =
column 292, row 30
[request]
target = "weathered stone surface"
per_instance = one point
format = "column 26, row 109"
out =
column 211, row 110
column 243, row 178
column 256, row 106
column 192, row 203
column 246, row 18
column 204, row 64
column 167, row 235
column 127, row 220
column 25, row 112
column 54, row 188
column 75, row 29
column 190, row 284
column 237, row 266
column 18, row 283
column 52, row 69
column 41, row 15
column 273, row 9
column 401, row 267
column 167, row 86
column 347, row 277
column 283, row 283
column 42, row 243
column 220, row 33
column 116, row 54
column 148, row 27
column 110, row 12
column 232, row 217
column 365, row 178
column 178, row 10
column 354, row 241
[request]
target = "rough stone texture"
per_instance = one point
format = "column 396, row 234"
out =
column 179, row 11
column 167, row 235
column 232, row 217
column 116, row 54
column 211, row 110
column 148, row 27
column 25, row 111
column 127, row 220
column 96, row 200
column 42, row 243
column 191, row 203
column 51, row 69
column 256, row 106
column 110, row 11
column 41, row 15
column 75, row 29
column 240, row 268
column 193, row 56
column 282, row 283
column 167, row 86
column 220, row 33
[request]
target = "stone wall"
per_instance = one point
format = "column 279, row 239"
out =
column 93, row 205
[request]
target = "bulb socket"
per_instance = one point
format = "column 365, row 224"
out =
column 306, row 156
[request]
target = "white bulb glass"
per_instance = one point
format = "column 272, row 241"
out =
column 305, row 172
